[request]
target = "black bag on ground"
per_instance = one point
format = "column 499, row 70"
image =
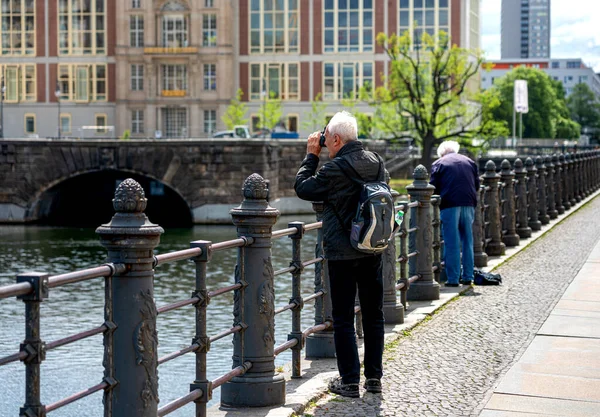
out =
column 486, row 278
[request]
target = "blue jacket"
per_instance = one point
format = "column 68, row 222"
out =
column 456, row 180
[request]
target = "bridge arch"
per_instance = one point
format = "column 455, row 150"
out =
column 84, row 199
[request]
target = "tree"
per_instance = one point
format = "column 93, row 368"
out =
column 236, row 112
column 547, row 114
column 315, row 119
column 269, row 113
column 584, row 108
column 432, row 86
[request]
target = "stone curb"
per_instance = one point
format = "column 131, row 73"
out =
column 301, row 393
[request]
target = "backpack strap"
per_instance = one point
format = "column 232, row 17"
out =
column 343, row 165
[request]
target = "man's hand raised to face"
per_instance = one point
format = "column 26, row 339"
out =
column 312, row 145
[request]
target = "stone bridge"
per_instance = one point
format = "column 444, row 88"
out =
column 190, row 181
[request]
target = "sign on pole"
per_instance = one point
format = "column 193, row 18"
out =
column 521, row 100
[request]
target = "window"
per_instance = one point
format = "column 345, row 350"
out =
column 420, row 16
column 292, row 124
column 210, row 77
column 274, row 26
column 82, row 82
column 65, row 123
column 136, row 31
column 573, row 64
column 100, row 123
column 29, row 123
column 20, row 82
column 137, row 77
column 344, row 79
column 278, row 81
column 136, row 4
column 209, row 3
column 210, row 121
column 18, row 27
column 348, row 26
column 555, row 64
column 174, row 31
column 174, row 78
column 82, row 27
column 209, row 30
column 137, row 121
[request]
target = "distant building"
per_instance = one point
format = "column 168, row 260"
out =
column 525, row 29
column 569, row 72
column 57, row 50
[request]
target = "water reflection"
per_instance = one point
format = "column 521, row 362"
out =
column 77, row 307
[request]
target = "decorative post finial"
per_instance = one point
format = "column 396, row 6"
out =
column 129, row 197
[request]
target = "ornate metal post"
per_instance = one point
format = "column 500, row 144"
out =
column 321, row 344
column 392, row 311
column 437, row 239
column 510, row 237
column 541, row 186
column 490, row 180
column 523, row 229
column 296, row 332
column 576, row 158
column 260, row 386
column 550, row 184
column 532, row 211
column 403, row 258
column 569, row 158
column 33, row 346
column 558, row 182
column 566, row 200
column 480, row 256
column 586, row 173
column 130, row 238
column 201, row 338
column 425, row 288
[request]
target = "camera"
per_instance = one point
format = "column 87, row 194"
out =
column 322, row 139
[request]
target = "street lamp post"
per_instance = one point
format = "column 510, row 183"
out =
column 2, row 92
column 58, row 93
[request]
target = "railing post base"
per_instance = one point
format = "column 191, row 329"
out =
column 254, row 392
column 320, row 345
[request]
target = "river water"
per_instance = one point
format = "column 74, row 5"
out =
column 78, row 307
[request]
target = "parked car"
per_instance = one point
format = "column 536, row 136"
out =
column 238, row 132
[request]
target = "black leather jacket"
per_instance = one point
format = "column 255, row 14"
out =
column 331, row 186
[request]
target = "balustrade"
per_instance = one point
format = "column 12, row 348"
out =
column 508, row 206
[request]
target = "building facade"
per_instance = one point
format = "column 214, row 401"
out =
column 57, row 68
column 525, row 29
column 569, row 72
column 175, row 66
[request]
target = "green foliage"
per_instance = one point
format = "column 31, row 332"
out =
column 431, row 94
column 236, row 112
column 315, row 119
column 126, row 135
column 584, row 108
column 363, row 120
column 269, row 113
column 548, row 115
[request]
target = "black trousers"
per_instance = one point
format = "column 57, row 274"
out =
column 344, row 277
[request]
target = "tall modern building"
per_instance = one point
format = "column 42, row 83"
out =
column 57, row 68
column 525, row 29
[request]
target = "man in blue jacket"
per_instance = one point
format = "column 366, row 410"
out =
column 347, row 267
column 456, row 180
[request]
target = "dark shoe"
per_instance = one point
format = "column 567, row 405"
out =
column 345, row 390
column 451, row 285
column 373, row 385
column 468, row 283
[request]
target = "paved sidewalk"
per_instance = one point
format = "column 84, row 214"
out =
column 559, row 373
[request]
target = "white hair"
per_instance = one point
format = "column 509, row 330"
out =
column 343, row 124
column 446, row 147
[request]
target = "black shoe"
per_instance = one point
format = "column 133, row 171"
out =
column 450, row 285
column 373, row 385
column 468, row 283
column 345, row 390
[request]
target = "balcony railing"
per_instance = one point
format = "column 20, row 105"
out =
column 170, row 50
column 174, row 93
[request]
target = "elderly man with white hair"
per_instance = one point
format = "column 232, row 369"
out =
column 456, row 180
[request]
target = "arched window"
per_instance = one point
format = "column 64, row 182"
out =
column 174, row 24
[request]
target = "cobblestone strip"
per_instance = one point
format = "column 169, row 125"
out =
column 449, row 365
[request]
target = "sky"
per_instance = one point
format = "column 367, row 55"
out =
column 574, row 30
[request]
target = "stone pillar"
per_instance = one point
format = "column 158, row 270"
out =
column 130, row 238
column 532, row 211
column 541, row 186
column 550, row 184
column 480, row 256
column 566, row 200
column 254, row 304
column 321, row 345
column 510, row 237
column 491, row 179
column 523, row 229
column 558, row 182
column 426, row 288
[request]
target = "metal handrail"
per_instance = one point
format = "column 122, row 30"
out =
column 77, row 396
